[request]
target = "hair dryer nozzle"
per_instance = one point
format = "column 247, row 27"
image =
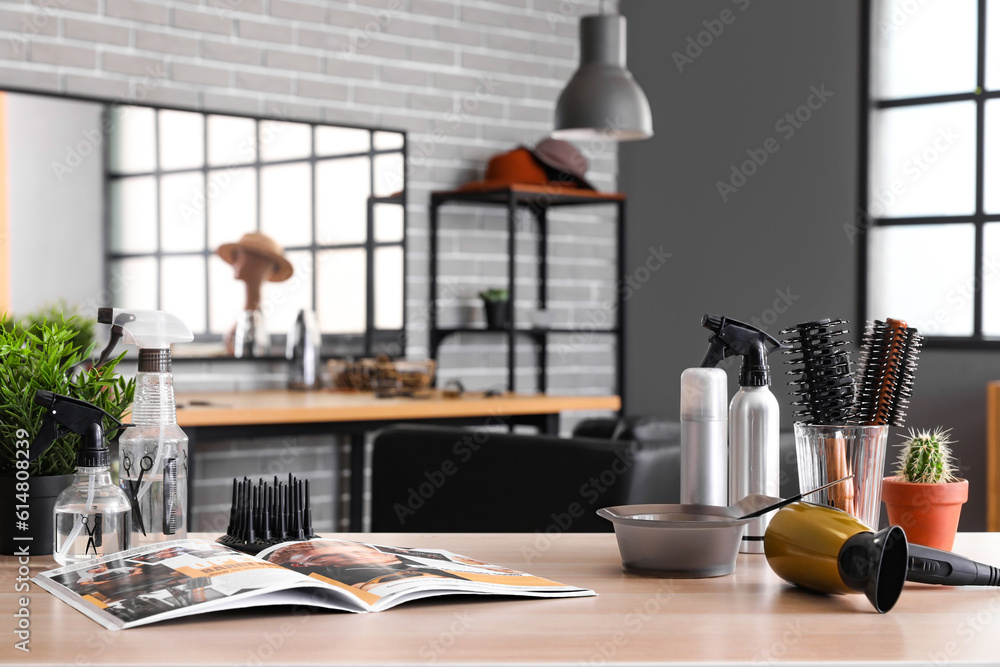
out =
column 875, row 564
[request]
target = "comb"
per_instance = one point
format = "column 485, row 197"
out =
column 821, row 382
column 264, row 514
column 888, row 362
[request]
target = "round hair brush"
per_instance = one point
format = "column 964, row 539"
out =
column 889, row 352
column 823, row 384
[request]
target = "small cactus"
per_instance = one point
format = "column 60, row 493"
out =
column 926, row 458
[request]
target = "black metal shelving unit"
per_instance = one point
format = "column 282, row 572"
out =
column 537, row 200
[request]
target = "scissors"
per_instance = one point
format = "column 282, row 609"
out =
column 145, row 465
column 91, row 542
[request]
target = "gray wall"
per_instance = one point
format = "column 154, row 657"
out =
column 55, row 213
column 781, row 234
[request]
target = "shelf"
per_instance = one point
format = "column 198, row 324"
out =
column 538, row 333
column 538, row 196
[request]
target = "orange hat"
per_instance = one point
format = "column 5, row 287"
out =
column 546, row 164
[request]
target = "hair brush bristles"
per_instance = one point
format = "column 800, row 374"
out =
column 822, row 382
column 889, row 352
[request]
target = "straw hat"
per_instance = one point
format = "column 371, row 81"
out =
column 261, row 245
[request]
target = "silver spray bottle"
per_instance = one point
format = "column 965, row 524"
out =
column 753, row 417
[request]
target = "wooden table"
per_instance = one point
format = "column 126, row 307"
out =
column 232, row 414
column 751, row 617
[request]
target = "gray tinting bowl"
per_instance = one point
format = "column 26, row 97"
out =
column 679, row 541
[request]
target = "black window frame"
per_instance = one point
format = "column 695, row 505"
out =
column 372, row 341
column 865, row 222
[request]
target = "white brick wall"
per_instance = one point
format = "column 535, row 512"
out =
column 465, row 79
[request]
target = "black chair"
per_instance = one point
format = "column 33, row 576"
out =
column 434, row 479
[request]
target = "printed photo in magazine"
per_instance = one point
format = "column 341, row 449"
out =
column 173, row 579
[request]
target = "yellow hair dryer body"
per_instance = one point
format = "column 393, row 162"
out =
column 827, row 550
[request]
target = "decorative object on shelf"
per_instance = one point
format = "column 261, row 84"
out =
column 551, row 162
column 602, row 99
column 407, row 377
column 263, row 514
column 925, row 497
column 496, row 304
column 44, row 357
column 255, row 258
column 303, row 351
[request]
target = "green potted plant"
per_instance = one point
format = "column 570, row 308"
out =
column 37, row 356
column 925, row 497
column 496, row 302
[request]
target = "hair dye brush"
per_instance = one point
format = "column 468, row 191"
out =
column 889, row 352
column 822, row 380
column 265, row 514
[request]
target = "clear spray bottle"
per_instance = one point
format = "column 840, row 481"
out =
column 92, row 514
column 154, row 450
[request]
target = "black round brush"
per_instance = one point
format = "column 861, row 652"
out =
column 822, row 381
column 888, row 362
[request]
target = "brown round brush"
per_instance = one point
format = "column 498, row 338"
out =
column 889, row 352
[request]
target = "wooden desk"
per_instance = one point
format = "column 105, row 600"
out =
column 234, row 408
column 222, row 415
column 751, row 617
column 993, row 456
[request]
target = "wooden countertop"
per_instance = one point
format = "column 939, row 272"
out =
column 750, row 617
column 290, row 407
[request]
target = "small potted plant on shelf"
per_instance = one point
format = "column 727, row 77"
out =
column 496, row 302
column 925, row 497
column 42, row 355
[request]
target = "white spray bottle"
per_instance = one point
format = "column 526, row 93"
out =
column 153, row 451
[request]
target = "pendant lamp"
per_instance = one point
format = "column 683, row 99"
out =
column 602, row 99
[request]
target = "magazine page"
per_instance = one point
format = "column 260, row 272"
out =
column 172, row 579
column 383, row 577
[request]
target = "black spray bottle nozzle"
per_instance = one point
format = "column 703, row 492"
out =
column 65, row 415
column 731, row 337
column 107, row 316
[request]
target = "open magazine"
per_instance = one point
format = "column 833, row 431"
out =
column 172, row 579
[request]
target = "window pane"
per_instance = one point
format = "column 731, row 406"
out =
column 133, row 283
column 385, row 141
column 923, row 274
column 992, row 45
column 284, row 141
column 226, row 296
column 341, row 140
column 133, row 214
column 286, row 203
column 182, row 140
column 182, row 212
column 281, row 302
column 991, row 279
column 232, row 205
column 388, row 222
column 926, row 47
column 231, row 140
column 389, row 288
column 388, row 174
column 991, row 141
column 342, row 189
column 341, row 309
column 924, row 160
column 133, row 139
column 182, row 289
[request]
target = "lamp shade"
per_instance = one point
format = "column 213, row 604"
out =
column 602, row 98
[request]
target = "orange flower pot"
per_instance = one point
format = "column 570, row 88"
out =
column 927, row 512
